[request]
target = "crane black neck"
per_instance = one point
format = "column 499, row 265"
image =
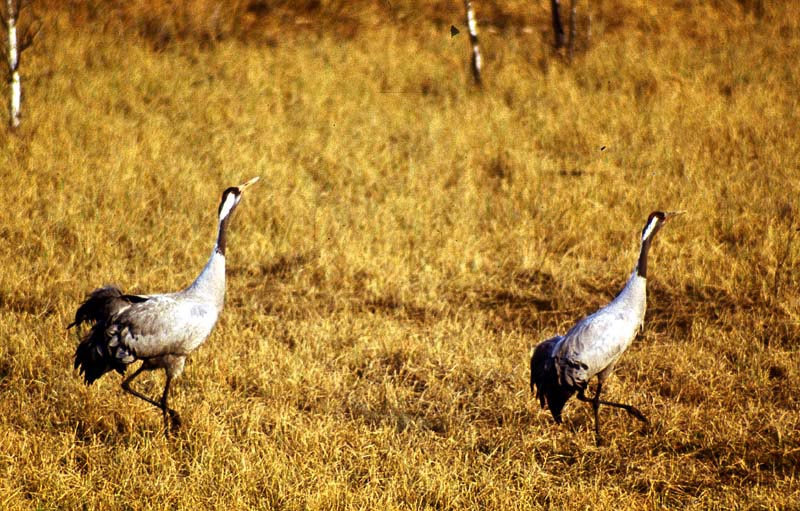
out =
column 641, row 266
column 654, row 223
column 230, row 199
column 222, row 235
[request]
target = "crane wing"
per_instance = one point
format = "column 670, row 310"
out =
column 593, row 344
column 163, row 325
column 97, row 354
column 130, row 327
column 104, row 303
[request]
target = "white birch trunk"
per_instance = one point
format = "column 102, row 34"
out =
column 13, row 65
column 573, row 20
column 588, row 27
column 472, row 25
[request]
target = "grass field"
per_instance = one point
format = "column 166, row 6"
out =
column 411, row 240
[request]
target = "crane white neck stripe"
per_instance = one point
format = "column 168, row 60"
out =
column 227, row 206
column 649, row 229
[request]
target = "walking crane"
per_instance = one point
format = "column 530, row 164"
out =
column 563, row 365
column 161, row 330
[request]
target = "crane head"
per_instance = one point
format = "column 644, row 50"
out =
column 656, row 221
column 231, row 197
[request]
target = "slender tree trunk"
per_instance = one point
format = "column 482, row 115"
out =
column 472, row 25
column 558, row 27
column 573, row 19
column 588, row 27
column 13, row 65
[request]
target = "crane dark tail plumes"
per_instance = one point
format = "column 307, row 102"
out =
column 93, row 358
column 544, row 378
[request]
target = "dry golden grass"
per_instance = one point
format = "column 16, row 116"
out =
column 410, row 241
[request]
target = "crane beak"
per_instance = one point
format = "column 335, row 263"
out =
column 249, row 183
column 670, row 214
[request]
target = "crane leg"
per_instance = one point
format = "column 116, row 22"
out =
column 162, row 405
column 628, row 408
column 596, row 408
column 169, row 413
column 596, row 402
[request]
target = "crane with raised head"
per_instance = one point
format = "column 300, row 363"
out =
column 563, row 365
column 161, row 330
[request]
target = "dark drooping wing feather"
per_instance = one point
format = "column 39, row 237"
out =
column 544, row 379
column 95, row 356
column 103, row 303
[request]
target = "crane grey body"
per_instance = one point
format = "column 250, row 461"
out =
column 564, row 365
column 579, row 356
column 161, row 330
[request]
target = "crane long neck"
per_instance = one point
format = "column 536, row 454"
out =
column 222, row 236
column 641, row 265
column 211, row 281
column 633, row 296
